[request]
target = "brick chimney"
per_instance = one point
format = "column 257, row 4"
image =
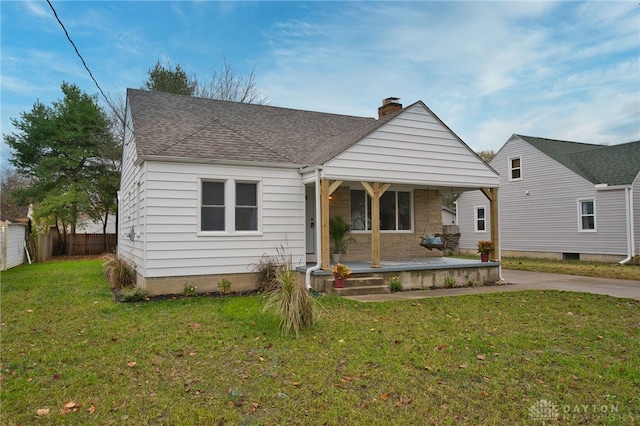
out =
column 389, row 106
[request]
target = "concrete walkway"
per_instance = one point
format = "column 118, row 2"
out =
column 525, row 280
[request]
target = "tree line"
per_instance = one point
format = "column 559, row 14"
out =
column 67, row 156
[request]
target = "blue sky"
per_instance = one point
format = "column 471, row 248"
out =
column 563, row 70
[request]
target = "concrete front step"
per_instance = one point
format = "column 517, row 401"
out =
column 362, row 290
column 357, row 286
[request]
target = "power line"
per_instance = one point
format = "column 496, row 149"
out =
column 85, row 64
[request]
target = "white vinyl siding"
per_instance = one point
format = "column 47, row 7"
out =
column 587, row 215
column 538, row 214
column 12, row 239
column 175, row 245
column 414, row 148
column 132, row 191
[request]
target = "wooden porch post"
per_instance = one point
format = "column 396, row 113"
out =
column 492, row 196
column 375, row 191
column 325, row 191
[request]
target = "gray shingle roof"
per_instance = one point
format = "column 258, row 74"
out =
column 187, row 127
column 613, row 165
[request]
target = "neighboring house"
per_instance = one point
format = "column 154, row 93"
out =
column 86, row 225
column 448, row 216
column 12, row 244
column 209, row 187
column 560, row 199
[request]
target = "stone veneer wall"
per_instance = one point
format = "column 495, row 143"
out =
column 394, row 245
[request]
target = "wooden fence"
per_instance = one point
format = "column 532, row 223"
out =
column 85, row 244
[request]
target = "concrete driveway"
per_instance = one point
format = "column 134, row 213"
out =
column 525, row 280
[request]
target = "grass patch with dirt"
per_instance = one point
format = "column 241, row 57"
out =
column 72, row 355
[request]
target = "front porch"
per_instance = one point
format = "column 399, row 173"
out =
column 415, row 273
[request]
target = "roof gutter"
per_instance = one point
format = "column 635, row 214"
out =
column 170, row 159
column 628, row 199
column 307, row 277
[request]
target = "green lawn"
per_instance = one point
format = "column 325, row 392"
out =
column 473, row 360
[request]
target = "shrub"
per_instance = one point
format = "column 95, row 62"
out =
column 292, row 302
column 267, row 268
column 190, row 290
column 224, row 286
column 134, row 294
column 120, row 272
column 449, row 282
column 394, row 284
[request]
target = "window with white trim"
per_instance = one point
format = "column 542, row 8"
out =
column 587, row 215
column 229, row 206
column 515, row 168
column 480, row 218
column 395, row 211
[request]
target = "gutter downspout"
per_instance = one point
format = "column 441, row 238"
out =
column 307, row 278
column 628, row 198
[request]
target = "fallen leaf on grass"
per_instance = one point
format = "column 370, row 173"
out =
column 131, row 364
column 92, row 408
column 463, row 366
column 197, row 325
column 192, row 353
column 570, row 314
column 70, row 407
column 481, row 357
column 384, row 396
column 43, row 411
column 403, row 401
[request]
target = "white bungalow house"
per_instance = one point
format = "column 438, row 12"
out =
column 208, row 187
column 559, row 199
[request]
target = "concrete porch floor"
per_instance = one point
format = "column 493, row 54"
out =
column 415, row 273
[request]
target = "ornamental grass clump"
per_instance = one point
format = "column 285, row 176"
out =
column 119, row 271
column 292, row 302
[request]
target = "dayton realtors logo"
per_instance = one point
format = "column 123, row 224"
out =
column 545, row 411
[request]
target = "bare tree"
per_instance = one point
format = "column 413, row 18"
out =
column 228, row 85
column 11, row 181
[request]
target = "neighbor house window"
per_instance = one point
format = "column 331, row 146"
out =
column 587, row 215
column 480, row 218
column 515, row 168
column 212, row 215
column 395, row 211
column 246, row 206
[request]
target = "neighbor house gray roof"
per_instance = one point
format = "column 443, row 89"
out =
column 181, row 126
column 613, row 165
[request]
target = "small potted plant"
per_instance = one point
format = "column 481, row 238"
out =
column 340, row 232
column 340, row 273
column 484, row 247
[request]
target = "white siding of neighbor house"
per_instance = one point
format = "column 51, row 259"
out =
column 169, row 230
column 12, row 238
column 413, row 148
column 546, row 219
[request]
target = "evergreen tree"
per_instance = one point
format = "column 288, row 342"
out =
column 61, row 151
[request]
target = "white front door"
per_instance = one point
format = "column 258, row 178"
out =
column 310, row 208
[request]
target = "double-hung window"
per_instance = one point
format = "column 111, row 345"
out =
column 480, row 218
column 229, row 206
column 587, row 215
column 515, row 168
column 395, row 211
